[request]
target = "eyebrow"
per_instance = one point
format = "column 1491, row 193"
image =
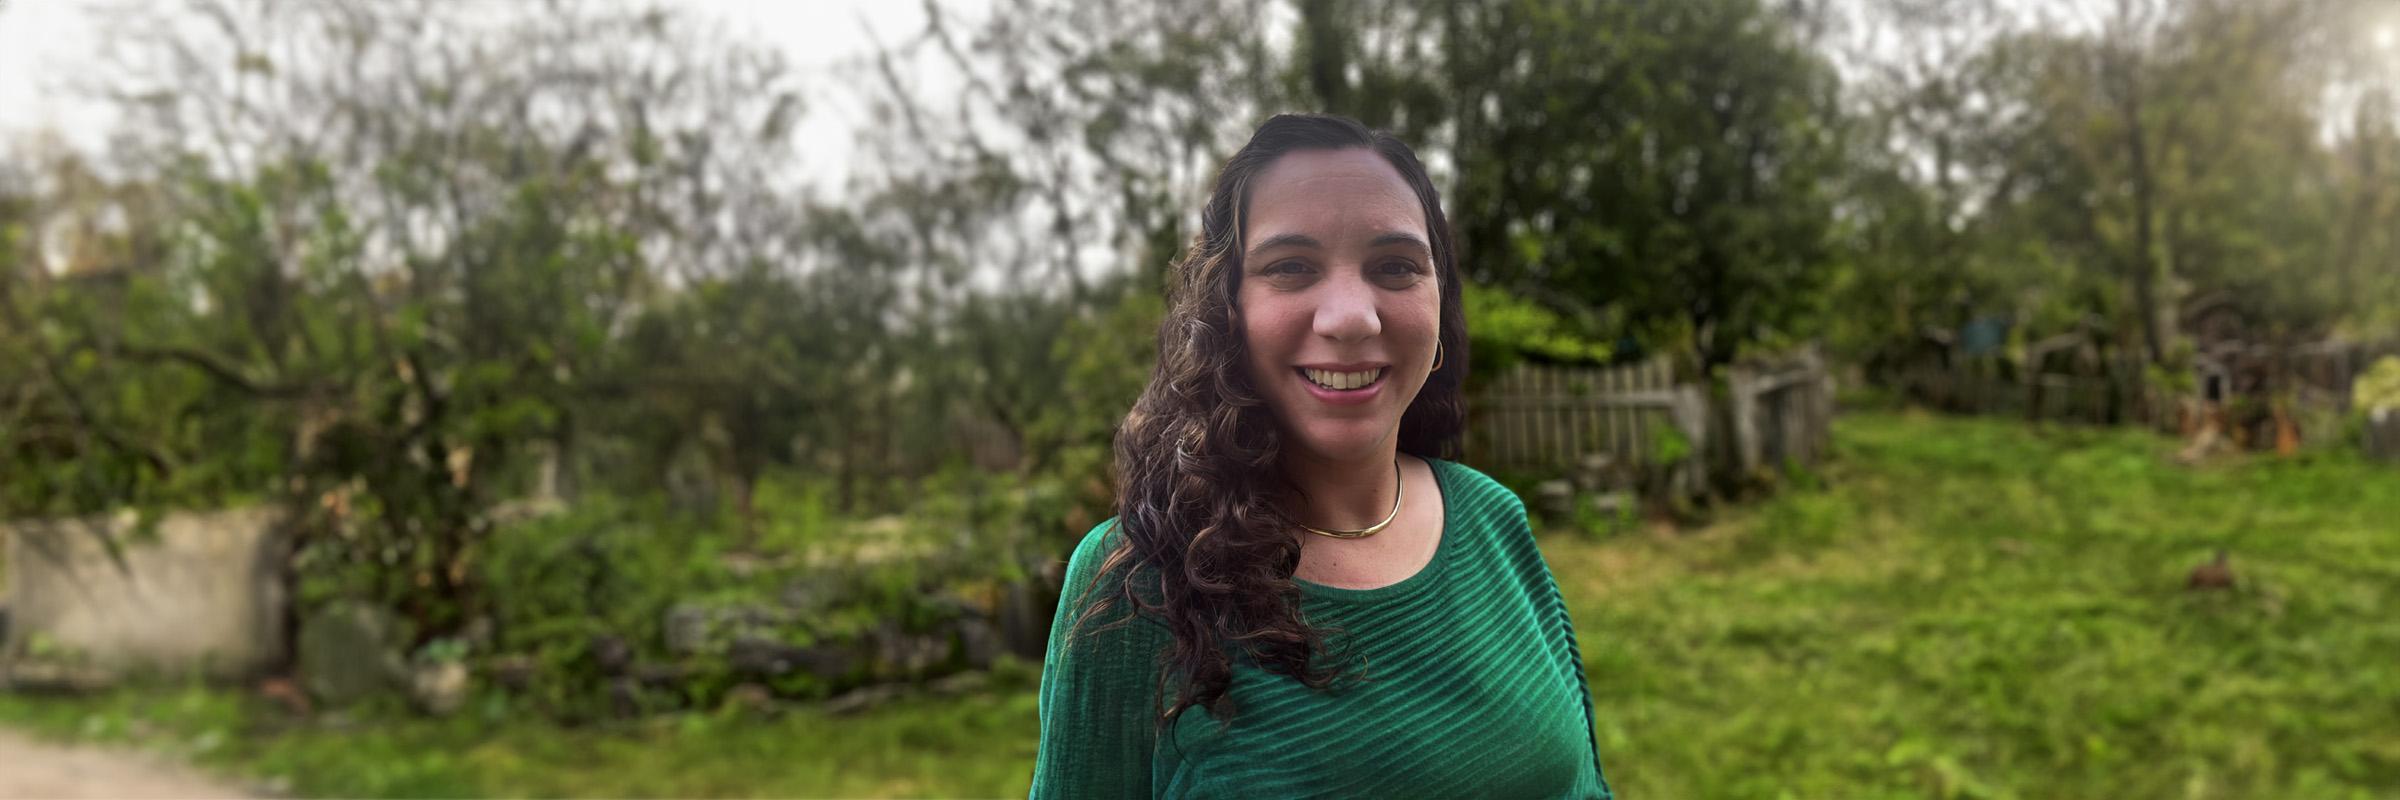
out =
column 1286, row 240
column 1303, row 240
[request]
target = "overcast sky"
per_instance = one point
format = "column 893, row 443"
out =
column 44, row 42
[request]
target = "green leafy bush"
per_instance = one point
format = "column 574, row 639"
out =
column 620, row 568
column 1504, row 328
column 607, row 566
column 2379, row 387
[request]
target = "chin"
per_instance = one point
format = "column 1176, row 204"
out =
column 1340, row 442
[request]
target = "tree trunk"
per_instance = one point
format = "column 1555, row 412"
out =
column 2124, row 89
column 1327, row 63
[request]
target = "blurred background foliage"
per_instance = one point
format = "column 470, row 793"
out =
column 526, row 314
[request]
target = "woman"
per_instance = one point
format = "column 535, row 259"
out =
column 1349, row 614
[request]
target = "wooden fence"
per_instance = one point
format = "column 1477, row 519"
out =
column 2115, row 392
column 1550, row 419
column 2320, row 374
column 1553, row 419
column 2074, row 378
column 1782, row 411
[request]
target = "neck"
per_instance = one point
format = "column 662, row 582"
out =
column 1342, row 494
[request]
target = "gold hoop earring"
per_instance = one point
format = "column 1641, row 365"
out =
column 1437, row 356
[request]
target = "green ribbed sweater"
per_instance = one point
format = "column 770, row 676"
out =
column 1477, row 686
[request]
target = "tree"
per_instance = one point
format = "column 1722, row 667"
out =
column 406, row 241
column 2184, row 156
column 1659, row 166
column 2108, row 164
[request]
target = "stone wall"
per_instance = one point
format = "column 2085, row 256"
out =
column 200, row 593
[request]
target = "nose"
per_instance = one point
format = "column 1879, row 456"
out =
column 1346, row 311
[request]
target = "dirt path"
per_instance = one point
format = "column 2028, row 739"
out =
column 35, row 769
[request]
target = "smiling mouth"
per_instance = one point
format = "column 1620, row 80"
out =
column 1340, row 381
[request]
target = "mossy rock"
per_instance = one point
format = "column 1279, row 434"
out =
column 348, row 653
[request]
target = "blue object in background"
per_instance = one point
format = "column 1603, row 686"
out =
column 1629, row 350
column 1983, row 336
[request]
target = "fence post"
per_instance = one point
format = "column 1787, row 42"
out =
column 2382, row 434
column 1816, row 396
column 1690, row 415
column 1740, row 384
column 1821, row 426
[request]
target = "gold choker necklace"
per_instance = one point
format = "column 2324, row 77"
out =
column 1398, row 487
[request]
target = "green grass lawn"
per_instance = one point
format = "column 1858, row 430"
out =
column 975, row 745
column 1976, row 608
column 1955, row 608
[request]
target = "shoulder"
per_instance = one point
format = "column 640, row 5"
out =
column 1096, row 638
column 1473, row 498
column 1099, row 692
column 1483, row 510
column 1094, row 546
column 1085, row 562
column 1089, row 574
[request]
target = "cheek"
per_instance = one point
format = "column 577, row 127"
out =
column 1422, row 318
column 1267, row 327
column 1258, row 342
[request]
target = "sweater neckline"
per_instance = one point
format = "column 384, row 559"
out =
column 1425, row 576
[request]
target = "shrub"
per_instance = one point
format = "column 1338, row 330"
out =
column 1507, row 328
column 2379, row 387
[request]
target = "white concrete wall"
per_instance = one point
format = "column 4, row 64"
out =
column 204, row 594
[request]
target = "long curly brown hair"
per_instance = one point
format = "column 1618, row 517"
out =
column 1198, row 482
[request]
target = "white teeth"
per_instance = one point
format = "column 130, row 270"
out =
column 1341, row 381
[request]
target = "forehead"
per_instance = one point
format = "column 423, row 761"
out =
column 1329, row 193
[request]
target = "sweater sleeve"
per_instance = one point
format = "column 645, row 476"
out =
column 1584, row 688
column 1574, row 656
column 1099, row 691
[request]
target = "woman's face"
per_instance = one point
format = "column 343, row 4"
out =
column 1339, row 303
